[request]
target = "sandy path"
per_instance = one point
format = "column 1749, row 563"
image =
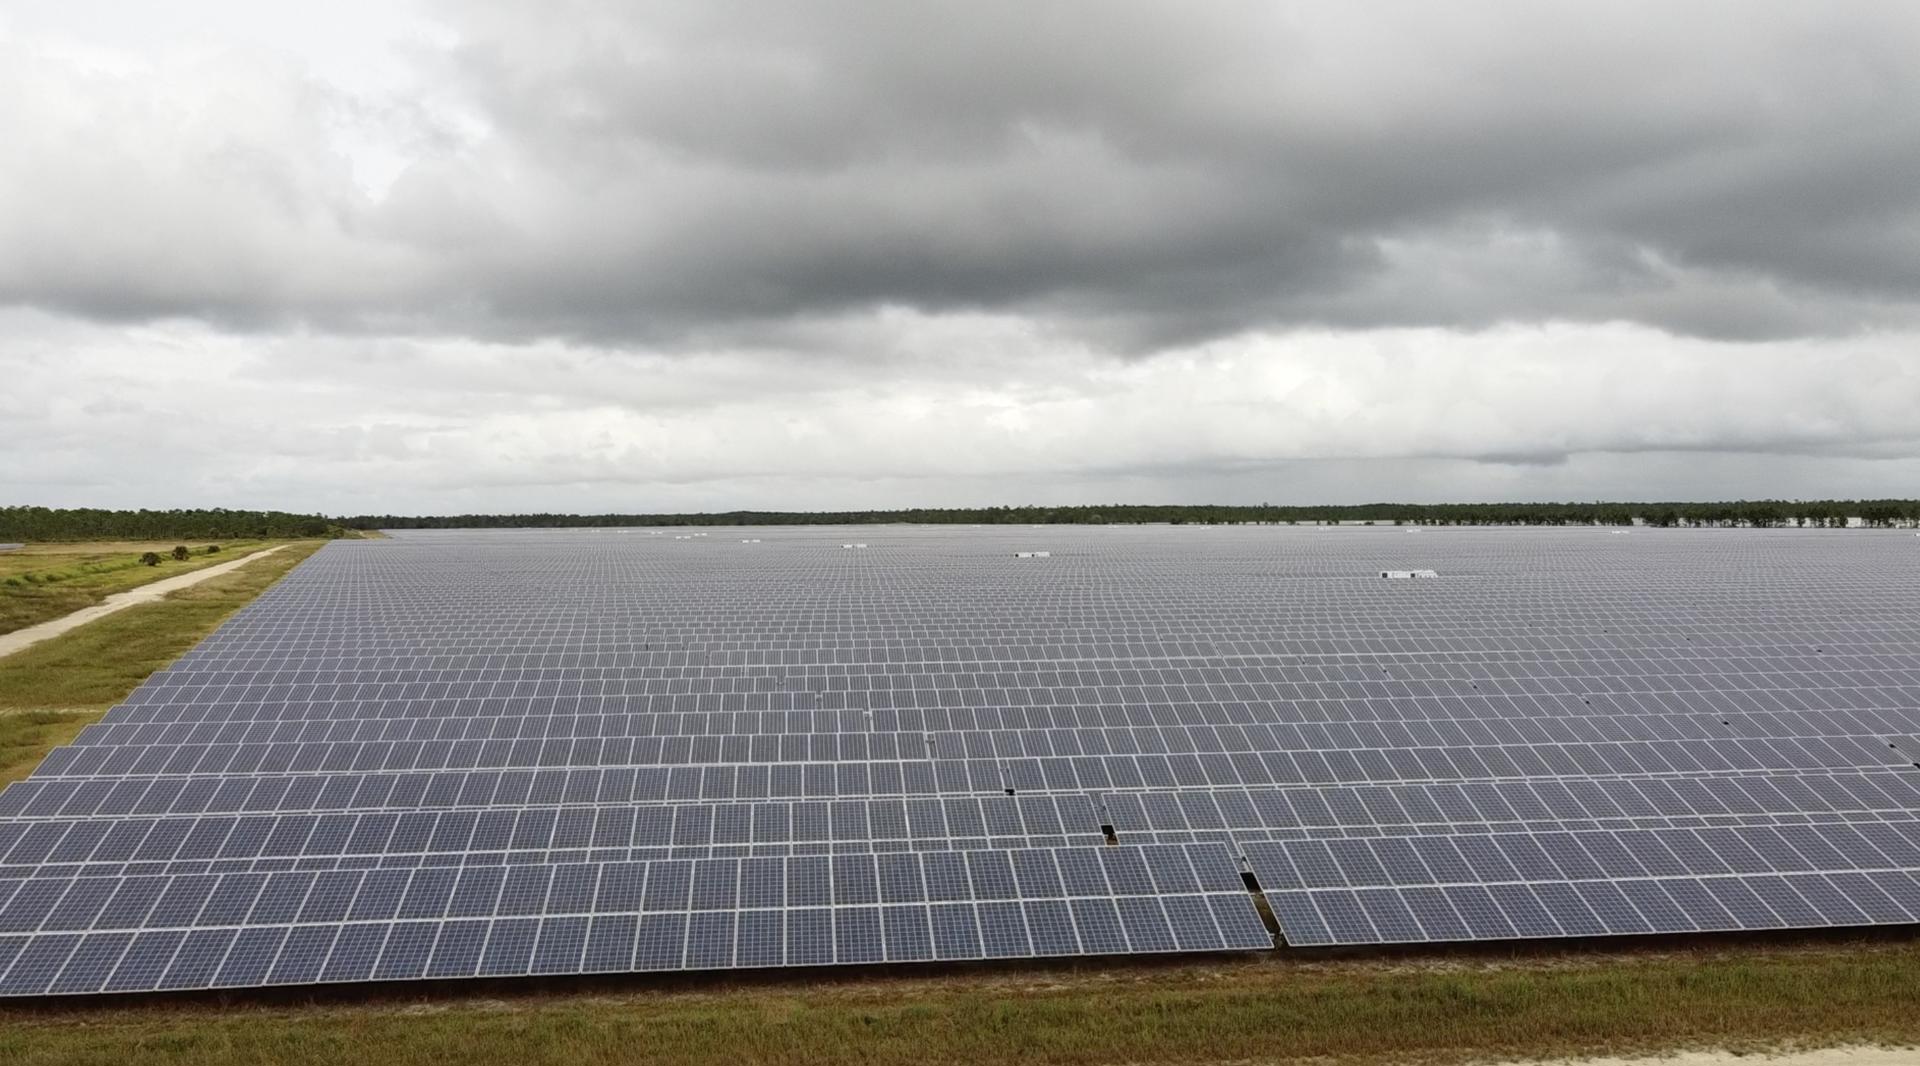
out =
column 1838, row 1056
column 120, row 601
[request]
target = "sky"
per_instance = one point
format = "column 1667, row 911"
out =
column 595, row 256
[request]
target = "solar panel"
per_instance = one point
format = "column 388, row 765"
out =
column 1588, row 883
column 239, row 929
column 504, row 753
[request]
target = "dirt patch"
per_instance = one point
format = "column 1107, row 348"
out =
column 1838, row 1056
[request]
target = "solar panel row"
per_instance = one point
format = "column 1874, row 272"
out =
column 1255, row 767
column 552, row 740
column 113, row 845
column 238, row 929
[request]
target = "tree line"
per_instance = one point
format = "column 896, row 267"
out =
column 86, row 523
column 1761, row 513
column 94, row 523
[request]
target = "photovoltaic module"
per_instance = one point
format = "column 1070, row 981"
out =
column 459, row 754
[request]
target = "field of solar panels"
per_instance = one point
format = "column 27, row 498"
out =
column 457, row 755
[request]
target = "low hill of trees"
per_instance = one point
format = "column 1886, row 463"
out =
column 45, row 523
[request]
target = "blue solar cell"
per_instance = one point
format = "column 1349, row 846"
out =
column 857, row 935
column 250, row 957
column 456, row 951
column 145, row 960
column 710, row 940
column 1145, row 924
column 88, row 968
column 355, row 952
column 610, row 940
column 1388, row 916
column 956, row 931
column 302, row 954
column 761, row 939
column 198, row 959
column 855, row 880
column 661, row 943
column 37, row 963
column 908, row 934
column 560, row 945
column 809, row 936
column 1191, row 919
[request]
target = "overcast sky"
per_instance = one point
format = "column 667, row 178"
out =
column 606, row 256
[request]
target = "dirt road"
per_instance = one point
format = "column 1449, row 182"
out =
column 1838, row 1056
column 120, row 601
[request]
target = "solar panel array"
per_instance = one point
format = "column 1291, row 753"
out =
column 507, row 753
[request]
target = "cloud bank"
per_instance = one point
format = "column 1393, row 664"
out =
column 606, row 256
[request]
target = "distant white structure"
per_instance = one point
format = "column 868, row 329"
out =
column 853, row 545
column 1403, row 575
column 1033, row 555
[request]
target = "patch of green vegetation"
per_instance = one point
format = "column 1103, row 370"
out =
column 1267, row 1010
column 50, row 690
column 27, row 736
column 46, row 581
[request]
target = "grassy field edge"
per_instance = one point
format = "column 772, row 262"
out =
column 50, row 690
column 1264, row 1009
column 42, row 582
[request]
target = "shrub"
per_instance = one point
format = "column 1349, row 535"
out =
column 180, row 553
column 150, row 559
column 211, row 548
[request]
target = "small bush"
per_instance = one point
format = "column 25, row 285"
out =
column 150, row 559
column 180, row 553
column 211, row 548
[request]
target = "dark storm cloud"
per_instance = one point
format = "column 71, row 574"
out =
column 1158, row 174
column 1136, row 174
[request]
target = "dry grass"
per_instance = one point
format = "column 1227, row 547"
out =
column 1263, row 1009
column 45, row 581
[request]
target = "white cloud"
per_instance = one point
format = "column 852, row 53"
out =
column 491, row 257
column 179, row 412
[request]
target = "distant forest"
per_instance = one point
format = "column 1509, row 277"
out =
column 44, row 523
column 1738, row 513
column 93, row 523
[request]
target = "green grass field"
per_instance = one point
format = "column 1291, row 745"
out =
column 41, row 582
column 50, row 690
column 1268, row 1008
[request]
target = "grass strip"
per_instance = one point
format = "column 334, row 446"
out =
column 52, row 689
column 1268, row 1010
column 42, row 582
